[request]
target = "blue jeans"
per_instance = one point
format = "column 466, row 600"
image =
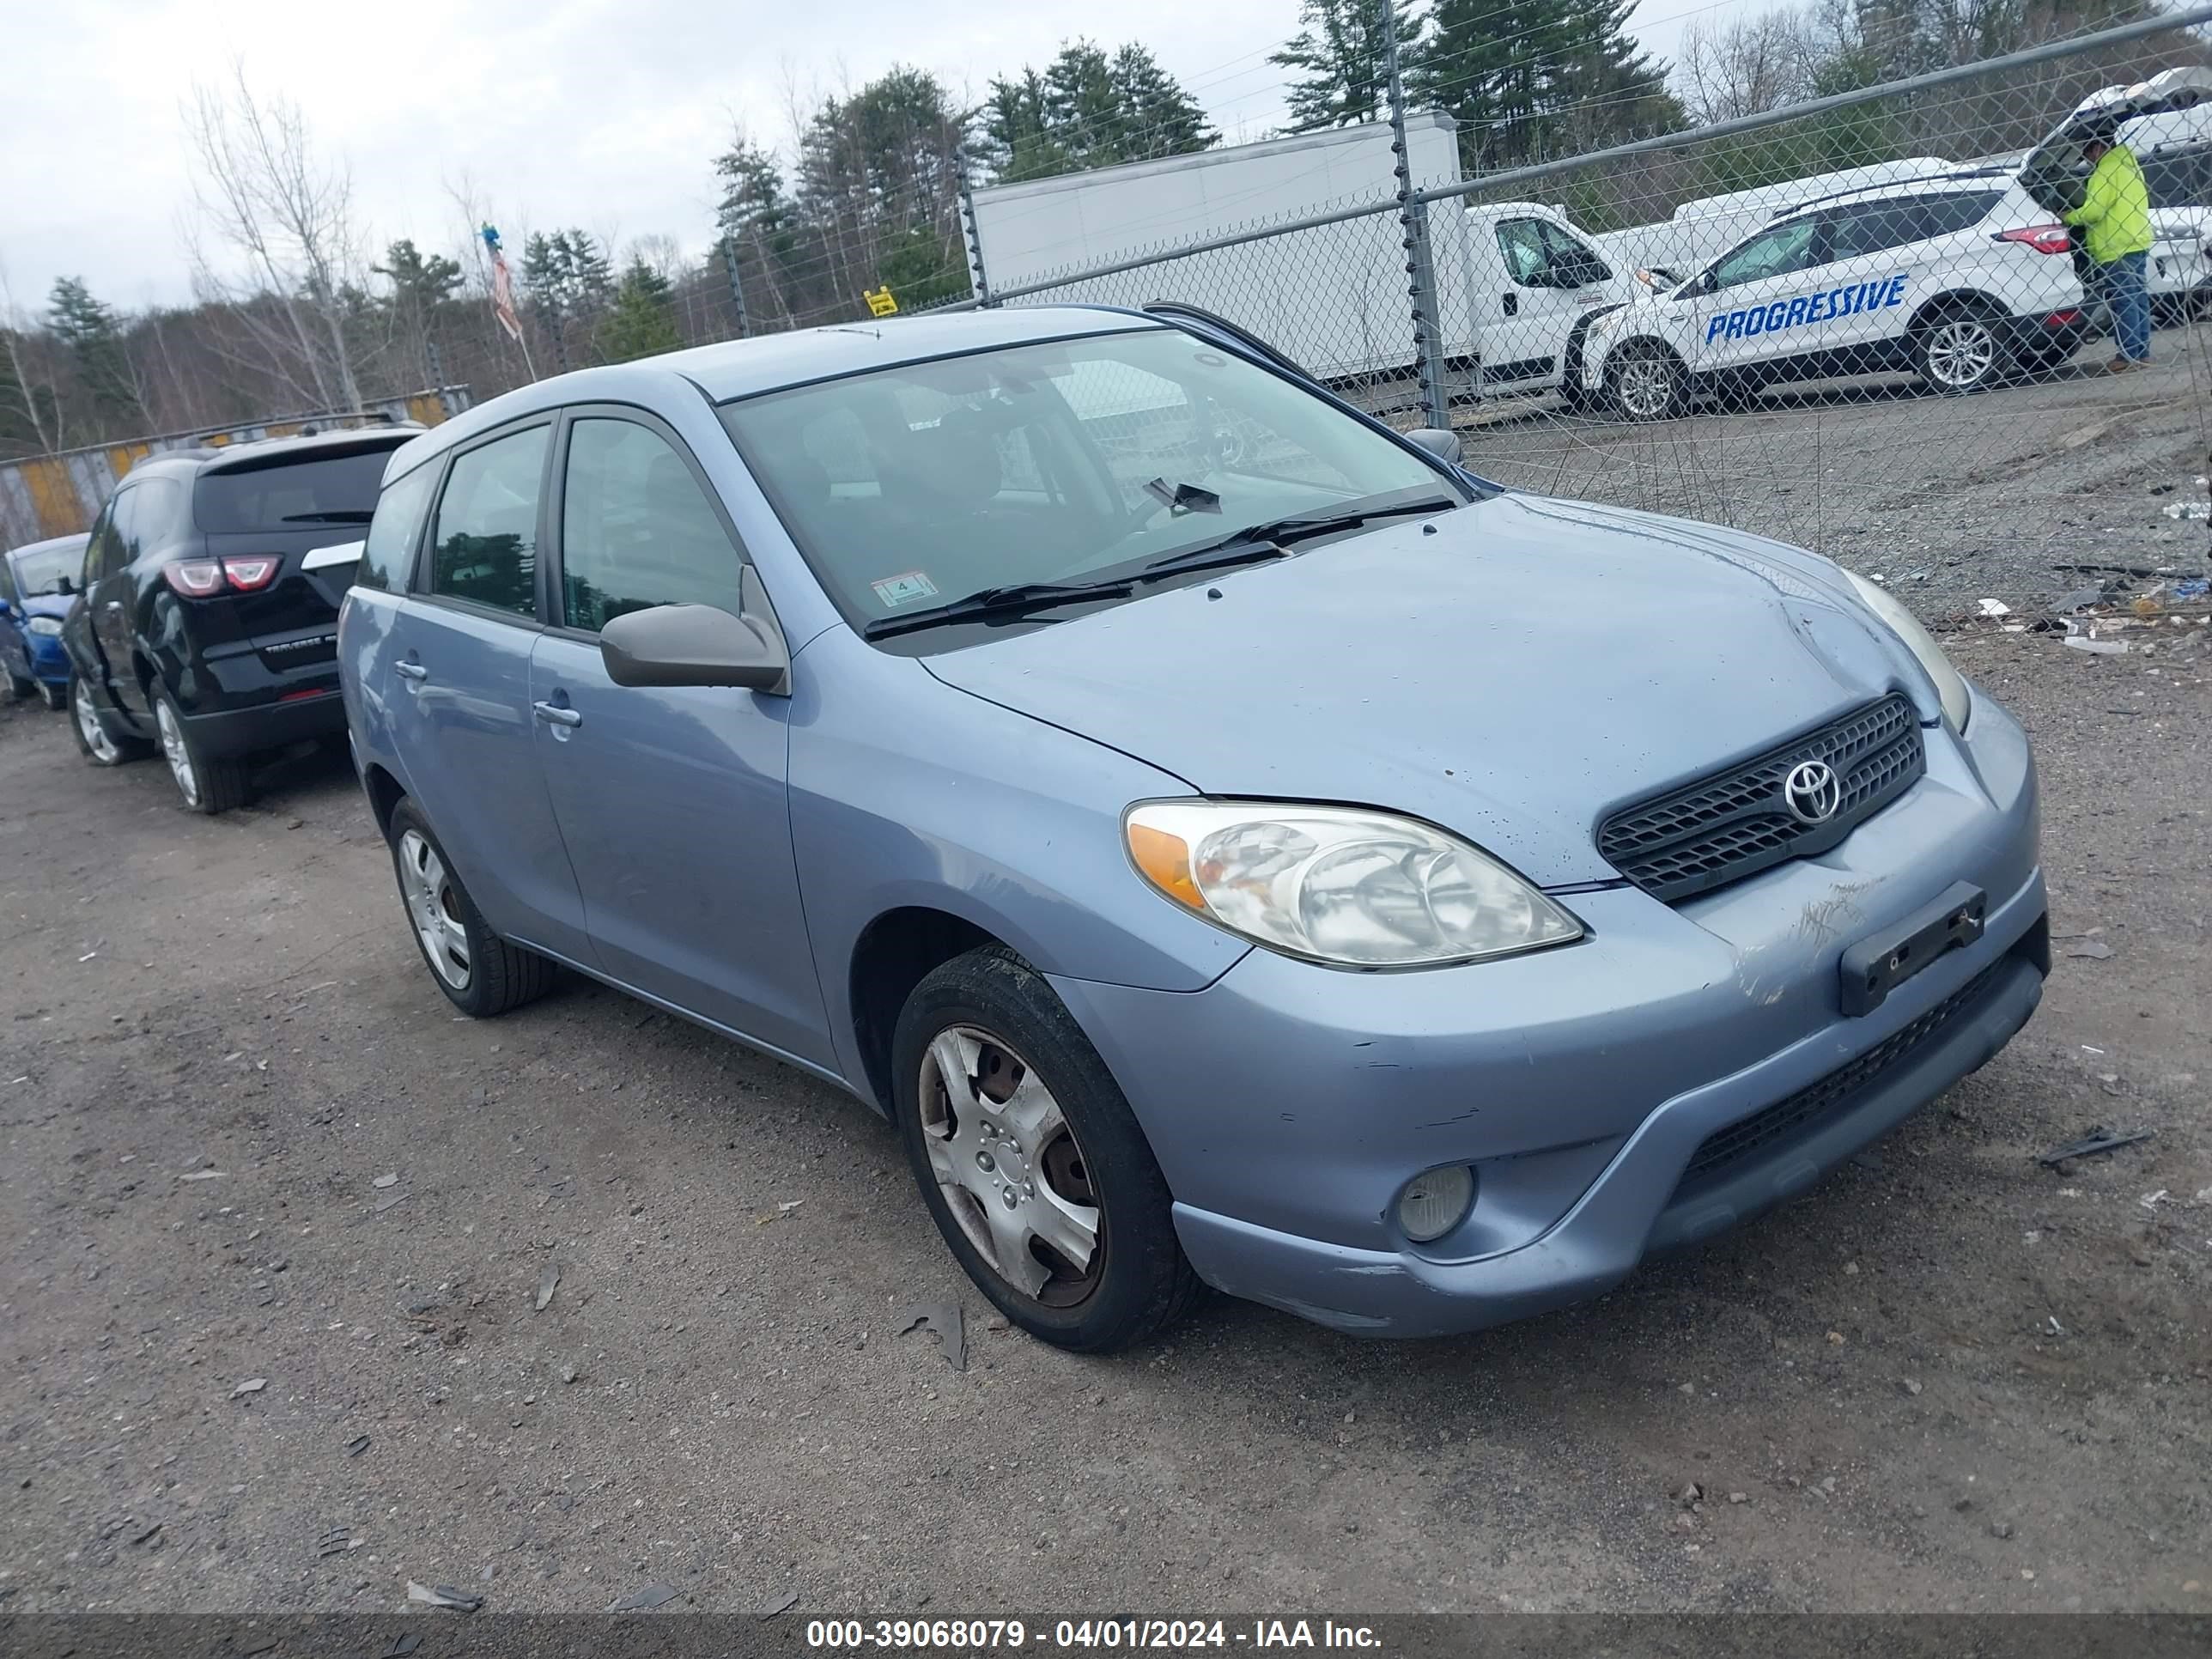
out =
column 2126, row 290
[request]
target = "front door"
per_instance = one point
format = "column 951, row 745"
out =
column 1552, row 279
column 459, row 695
column 109, row 600
column 1744, row 320
column 671, row 800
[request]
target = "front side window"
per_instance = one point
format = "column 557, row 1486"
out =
column 1072, row 461
column 115, row 547
column 387, row 554
column 95, row 547
column 486, row 545
column 1777, row 252
column 636, row 530
column 1528, row 261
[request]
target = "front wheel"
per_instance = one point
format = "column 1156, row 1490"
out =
column 1031, row 1161
column 1647, row 382
column 1960, row 352
column 481, row 974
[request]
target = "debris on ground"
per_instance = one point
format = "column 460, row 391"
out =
column 2099, row 1139
column 443, row 1595
column 783, row 1603
column 2081, row 599
column 149, row 1534
column 649, row 1596
column 201, row 1175
column 251, row 1385
column 335, row 1540
column 2095, row 949
column 401, row 1646
column 2187, row 511
column 548, row 1282
column 1996, row 608
column 385, row 1181
column 355, row 1447
column 943, row 1318
column 569, row 1373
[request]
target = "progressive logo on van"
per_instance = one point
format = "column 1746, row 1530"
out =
column 1783, row 315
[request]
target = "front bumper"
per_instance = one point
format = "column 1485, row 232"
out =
column 1288, row 1104
column 49, row 660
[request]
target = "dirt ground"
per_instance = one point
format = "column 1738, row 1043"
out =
column 275, row 1226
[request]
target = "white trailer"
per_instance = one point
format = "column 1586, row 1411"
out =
column 1515, row 282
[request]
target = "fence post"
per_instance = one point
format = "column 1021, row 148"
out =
column 1414, row 226
column 970, row 233
column 737, row 286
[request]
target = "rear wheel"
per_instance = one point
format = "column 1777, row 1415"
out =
column 481, row 974
column 100, row 746
column 1031, row 1161
column 1647, row 383
column 1960, row 351
column 208, row 783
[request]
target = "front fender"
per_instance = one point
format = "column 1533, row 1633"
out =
column 907, row 793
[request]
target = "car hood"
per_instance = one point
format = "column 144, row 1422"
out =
column 56, row 605
column 1513, row 671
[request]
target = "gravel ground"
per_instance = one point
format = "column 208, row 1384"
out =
column 1953, row 499
column 275, row 1227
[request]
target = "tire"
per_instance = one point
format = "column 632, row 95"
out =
column 97, row 743
column 206, row 783
column 57, row 696
column 1060, row 1133
column 1645, row 382
column 20, row 687
column 1959, row 350
column 496, row 977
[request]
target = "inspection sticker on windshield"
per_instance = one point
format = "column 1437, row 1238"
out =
column 905, row 588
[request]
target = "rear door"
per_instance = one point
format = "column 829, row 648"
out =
column 457, row 701
column 670, row 800
column 1885, row 256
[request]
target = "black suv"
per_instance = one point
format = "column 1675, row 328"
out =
column 208, row 624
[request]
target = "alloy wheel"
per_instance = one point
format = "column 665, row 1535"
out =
column 1647, row 388
column 95, row 735
column 1961, row 352
column 434, row 908
column 1009, row 1166
column 173, row 752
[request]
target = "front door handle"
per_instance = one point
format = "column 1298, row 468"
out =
column 557, row 713
column 411, row 671
column 1512, row 304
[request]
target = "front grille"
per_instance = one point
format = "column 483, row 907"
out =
column 1728, row 826
column 1840, row 1089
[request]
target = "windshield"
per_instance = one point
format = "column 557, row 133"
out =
column 326, row 489
column 39, row 569
column 915, row 487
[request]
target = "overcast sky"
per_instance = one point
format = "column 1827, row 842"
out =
column 604, row 114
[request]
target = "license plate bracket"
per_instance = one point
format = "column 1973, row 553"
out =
column 1877, row 965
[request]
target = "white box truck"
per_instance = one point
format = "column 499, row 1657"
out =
column 1516, row 282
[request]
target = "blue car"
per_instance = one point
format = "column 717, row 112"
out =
column 1234, row 844
column 37, row 584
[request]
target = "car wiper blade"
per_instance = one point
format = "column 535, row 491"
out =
column 1014, row 597
column 350, row 516
column 1267, row 540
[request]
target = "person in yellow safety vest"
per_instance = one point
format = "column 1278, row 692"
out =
column 2114, row 220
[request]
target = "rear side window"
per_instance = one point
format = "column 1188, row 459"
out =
column 388, row 557
column 1868, row 228
column 636, row 530
column 486, row 549
column 291, row 495
column 1946, row 215
column 149, row 522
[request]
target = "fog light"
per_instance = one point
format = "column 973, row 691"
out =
column 1435, row 1201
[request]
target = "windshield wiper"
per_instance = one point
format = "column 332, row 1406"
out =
column 1268, row 540
column 345, row 516
column 990, row 601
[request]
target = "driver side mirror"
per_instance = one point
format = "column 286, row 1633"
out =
column 699, row 645
column 64, row 587
column 1444, row 446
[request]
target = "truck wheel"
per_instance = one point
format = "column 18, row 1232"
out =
column 1647, row 383
column 1959, row 350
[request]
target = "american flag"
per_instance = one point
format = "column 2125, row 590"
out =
column 502, row 288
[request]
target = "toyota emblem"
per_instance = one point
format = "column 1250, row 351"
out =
column 1813, row 792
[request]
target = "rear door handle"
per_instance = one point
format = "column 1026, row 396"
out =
column 557, row 713
column 412, row 671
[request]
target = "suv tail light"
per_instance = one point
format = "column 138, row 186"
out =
column 196, row 579
column 2044, row 239
column 202, row 579
column 252, row 573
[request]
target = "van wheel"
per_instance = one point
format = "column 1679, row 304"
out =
column 209, row 783
column 99, row 746
column 481, row 974
column 1031, row 1161
column 1646, row 382
column 1958, row 351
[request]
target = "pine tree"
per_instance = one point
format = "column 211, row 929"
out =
column 1088, row 109
column 1529, row 80
column 1159, row 118
column 641, row 322
column 419, row 281
column 90, row 330
column 567, row 272
column 1341, row 48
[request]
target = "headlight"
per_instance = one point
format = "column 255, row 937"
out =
column 43, row 625
column 1339, row 885
column 1950, row 689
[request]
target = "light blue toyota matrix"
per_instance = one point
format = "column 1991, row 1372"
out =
column 1235, row 845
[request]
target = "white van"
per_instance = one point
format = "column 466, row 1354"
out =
column 1536, row 283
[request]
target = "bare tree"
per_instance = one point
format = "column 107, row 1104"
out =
column 1746, row 65
column 260, row 183
column 43, row 417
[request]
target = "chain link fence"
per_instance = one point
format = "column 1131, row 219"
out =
column 1862, row 324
